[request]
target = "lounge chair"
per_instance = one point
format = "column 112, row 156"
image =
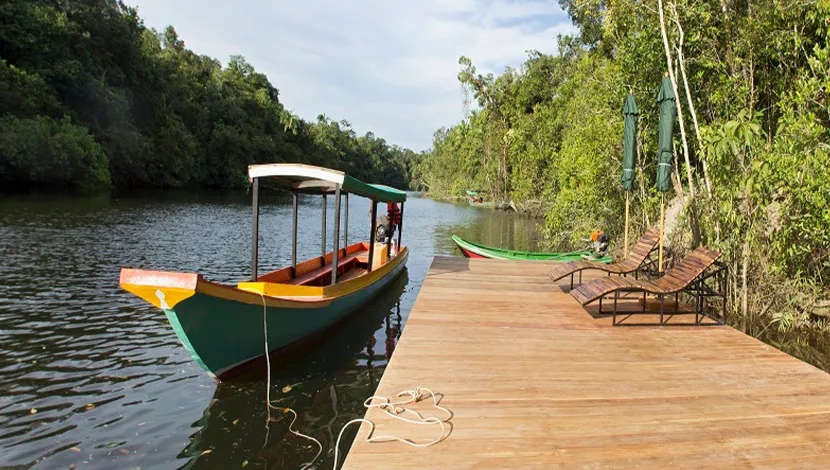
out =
column 631, row 264
column 691, row 275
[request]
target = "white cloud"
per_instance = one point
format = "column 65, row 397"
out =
column 388, row 66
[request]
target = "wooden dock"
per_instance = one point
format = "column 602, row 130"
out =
column 535, row 381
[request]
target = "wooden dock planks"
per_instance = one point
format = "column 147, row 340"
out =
column 535, row 381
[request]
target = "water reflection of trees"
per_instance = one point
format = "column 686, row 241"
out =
column 326, row 388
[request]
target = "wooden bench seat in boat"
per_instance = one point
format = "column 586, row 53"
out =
column 310, row 271
column 322, row 276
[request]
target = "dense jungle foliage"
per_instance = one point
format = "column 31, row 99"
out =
column 90, row 98
column 752, row 142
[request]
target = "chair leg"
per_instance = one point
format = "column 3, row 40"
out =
column 662, row 303
column 572, row 281
column 698, row 308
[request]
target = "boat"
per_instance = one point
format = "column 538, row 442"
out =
column 226, row 328
column 476, row 199
column 476, row 250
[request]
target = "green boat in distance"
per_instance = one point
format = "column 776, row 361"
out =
column 477, row 250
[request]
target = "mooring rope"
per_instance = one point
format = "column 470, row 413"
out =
column 396, row 410
column 268, row 402
column 392, row 409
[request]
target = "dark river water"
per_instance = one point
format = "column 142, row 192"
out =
column 94, row 377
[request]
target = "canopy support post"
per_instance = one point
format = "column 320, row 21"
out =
column 389, row 235
column 400, row 231
column 296, row 210
column 323, row 251
column 255, row 230
column 346, row 229
column 374, row 228
column 335, row 258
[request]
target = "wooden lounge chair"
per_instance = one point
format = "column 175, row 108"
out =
column 691, row 275
column 635, row 260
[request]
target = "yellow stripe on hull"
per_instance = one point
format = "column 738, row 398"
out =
column 166, row 289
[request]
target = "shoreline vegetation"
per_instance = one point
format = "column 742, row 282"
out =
column 750, row 175
column 91, row 99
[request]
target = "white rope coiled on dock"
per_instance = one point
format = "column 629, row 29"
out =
column 393, row 409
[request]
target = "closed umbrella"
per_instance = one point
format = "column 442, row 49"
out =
column 630, row 113
column 668, row 112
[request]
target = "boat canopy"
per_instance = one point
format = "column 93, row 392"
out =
column 318, row 180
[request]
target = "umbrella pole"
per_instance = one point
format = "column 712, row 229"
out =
column 662, row 231
column 627, row 205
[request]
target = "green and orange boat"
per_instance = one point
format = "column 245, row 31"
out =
column 224, row 327
column 477, row 250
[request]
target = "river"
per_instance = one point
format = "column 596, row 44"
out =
column 93, row 377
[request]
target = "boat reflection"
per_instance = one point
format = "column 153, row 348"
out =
column 326, row 389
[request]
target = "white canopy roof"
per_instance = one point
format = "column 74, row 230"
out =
column 315, row 179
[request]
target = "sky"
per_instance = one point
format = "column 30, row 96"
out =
column 386, row 66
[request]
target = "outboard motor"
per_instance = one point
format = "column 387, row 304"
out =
column 382, row 235
column 600, row 243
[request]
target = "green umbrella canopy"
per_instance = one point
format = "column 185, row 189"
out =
column 629, row 136
column 668, row 111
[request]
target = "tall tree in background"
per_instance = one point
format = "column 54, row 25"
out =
column 89, row 97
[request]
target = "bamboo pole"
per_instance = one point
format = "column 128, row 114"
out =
column 627, row 205
column 662, row 231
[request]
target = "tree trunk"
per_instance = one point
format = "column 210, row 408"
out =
column 682, row 66
column 670, row 66
column 642, row 182
column 730, row 56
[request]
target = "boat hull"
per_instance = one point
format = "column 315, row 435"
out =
column 223, row 328
column 475, row 250
column 469, row 253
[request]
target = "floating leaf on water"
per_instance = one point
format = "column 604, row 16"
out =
column 245, row 463
column 205, row 452
column 235, row 421
column 74, row 449
column 123, row 451
column 33, row 411
column 288, row 388
column 90, row 406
